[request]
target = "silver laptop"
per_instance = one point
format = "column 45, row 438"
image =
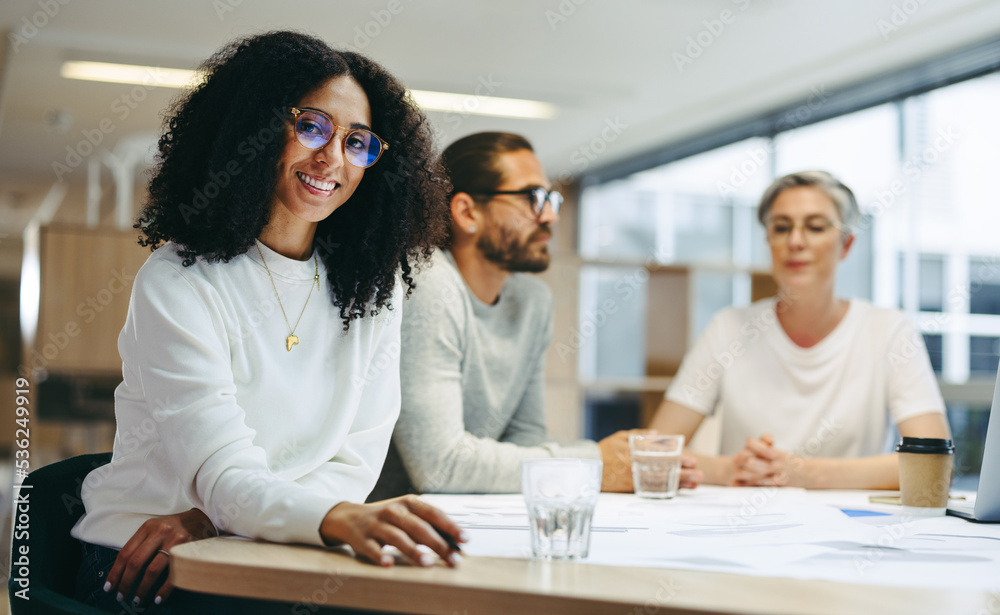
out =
column 986, row 505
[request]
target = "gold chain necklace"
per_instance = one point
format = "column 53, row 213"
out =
column 292, row 339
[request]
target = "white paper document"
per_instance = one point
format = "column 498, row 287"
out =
column 835, row 536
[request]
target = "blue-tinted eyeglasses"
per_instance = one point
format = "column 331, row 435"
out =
column 314, row 129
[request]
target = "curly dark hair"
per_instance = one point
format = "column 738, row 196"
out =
column 234, row 124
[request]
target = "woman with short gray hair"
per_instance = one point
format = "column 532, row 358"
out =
column 842, row 197
column 806, row 383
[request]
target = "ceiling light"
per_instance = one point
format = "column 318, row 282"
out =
column 463, row 104
column 469, row 104
column 130, row 73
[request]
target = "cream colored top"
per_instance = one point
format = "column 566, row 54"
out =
column 835, row 399
column 215, row 413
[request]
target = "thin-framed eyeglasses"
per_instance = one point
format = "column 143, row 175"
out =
column 814, row 228
column 537, row 198
column 314, row 129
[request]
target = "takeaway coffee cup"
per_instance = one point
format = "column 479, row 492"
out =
column 925, row 466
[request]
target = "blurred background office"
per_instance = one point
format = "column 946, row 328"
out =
column 662, row 121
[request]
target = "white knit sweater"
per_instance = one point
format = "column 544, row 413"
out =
column 215, row 413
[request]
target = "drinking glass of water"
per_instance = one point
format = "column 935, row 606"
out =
column 656, row 465
column 560, row 495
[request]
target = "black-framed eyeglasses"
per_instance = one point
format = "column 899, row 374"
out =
column 314, row 129
column 537, row 198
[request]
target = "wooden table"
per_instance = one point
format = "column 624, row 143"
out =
column 311, row 575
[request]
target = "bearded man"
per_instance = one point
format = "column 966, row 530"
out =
column 475, row 332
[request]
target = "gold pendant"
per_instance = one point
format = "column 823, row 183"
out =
column 291, row 341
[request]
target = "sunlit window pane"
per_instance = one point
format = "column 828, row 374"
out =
column 681, row 212
column 984, row 354
column 984, row 286
column 862, row 149
column 703, row 230
column 951, row 155
column 610, row 336
column 931, row 289
column 934, row 343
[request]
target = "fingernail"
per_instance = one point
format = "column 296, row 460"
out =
column 387, row 560
column 426, row 559
column 107, row 586
column 454, row 558
column 158, row 600
column 463, row 537
column 135, row 601
column 119, row 597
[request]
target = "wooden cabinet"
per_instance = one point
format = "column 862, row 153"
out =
column 84, row 280
column 675, row 303
column 676, row 310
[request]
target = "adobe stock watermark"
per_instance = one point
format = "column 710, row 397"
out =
column 908, row 348
column 886, row 542
column 322, row 595
column 386, row 358
column 591, row 321
column 714, row 28
column 249, row 148
column 20, row 560
column 751, row 331
column 899, row 16
column 912, row 172
column 956, row 299
column 486, row 86
column 992, row 607
column 371, row 29
column 564, row 10
column 797, row 459
column 741, row 173
column 666, row 591
column 87, row 309
column 438, row 469
column 223, row 7
column 93, row 137
column 802, row 114
column 31, row 25
column 585, row 155
column 757, row 159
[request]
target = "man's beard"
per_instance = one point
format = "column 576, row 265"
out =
column 504, row 249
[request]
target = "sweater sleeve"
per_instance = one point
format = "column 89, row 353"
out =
column 912, row 387
column 356, row 467
column 439, row 455
column 177, row 340
column 527, row 425
column 699, row 378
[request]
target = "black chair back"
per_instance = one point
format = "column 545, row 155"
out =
column 46, row 508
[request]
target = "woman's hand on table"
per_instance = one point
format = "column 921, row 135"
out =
column 402, row 522
column 691, row 476
column 140, row 570
column 760, row 464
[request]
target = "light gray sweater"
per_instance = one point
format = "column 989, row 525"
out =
column 472, row 379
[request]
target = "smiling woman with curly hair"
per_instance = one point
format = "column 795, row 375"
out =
column 295, row 189
column 212, row 193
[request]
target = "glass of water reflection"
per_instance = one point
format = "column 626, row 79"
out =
column 560, row 495
column 656, row 465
